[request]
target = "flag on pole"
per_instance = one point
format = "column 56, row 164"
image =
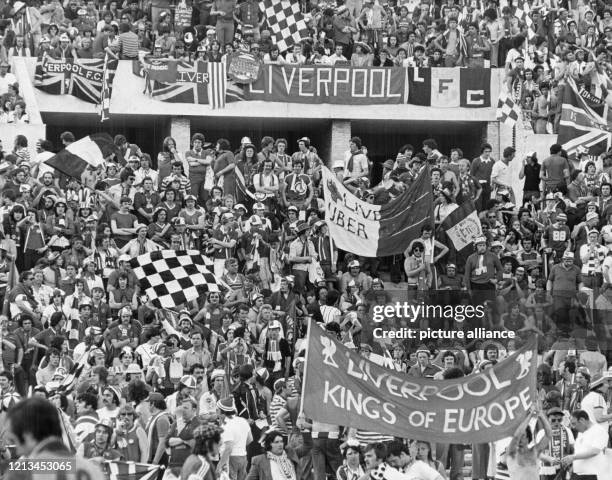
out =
column 286, row 22
column 174, row 277
column 458, row 230
column 119, row 470
column 583, row 126
column 508, row 110
column 108, row 74
column 87, row 152
column 377, row 230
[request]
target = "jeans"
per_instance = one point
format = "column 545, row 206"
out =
column 325, row 456
column 197, row 186
column 453, row 455
column 237, row 468
column 225, row 32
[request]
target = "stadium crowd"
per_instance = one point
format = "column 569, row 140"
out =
column 212, row 387
column 541, row 41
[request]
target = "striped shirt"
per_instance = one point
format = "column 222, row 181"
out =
column 367, row 438
column 128, row 45
column 277, row 404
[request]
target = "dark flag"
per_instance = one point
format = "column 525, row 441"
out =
column 583, row 125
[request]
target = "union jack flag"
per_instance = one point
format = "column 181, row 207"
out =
column 201, row 83
column 81, row 78
column 119, row 470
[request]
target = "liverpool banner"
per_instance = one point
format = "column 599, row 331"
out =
column 377, row 230
column 343, row 388
column 184, row 82
column 82, row 78
column 430, row 87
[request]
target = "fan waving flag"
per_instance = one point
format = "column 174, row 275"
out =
column 377, row 230
column 117, row 470
column 286, row 22
column 173, row 277
column 87, row 152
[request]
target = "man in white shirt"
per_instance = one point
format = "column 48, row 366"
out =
column 355, row 162
column 501, row 174
column 337, row 56
column 235, row 438
column 588, row 460
column 145, row 170
column 6, row 78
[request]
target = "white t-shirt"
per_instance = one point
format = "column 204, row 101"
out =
column 594, row 437
column 419, row 470
column 236, row 430
column 591, row 402
column 606, row 268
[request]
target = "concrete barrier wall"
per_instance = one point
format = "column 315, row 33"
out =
column 128, row 98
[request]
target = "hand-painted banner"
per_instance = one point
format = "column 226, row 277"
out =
column 343, row 388
column 437, row 87
column 376, row 230
column 430, row 87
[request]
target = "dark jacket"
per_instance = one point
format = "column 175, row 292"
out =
column 260, row 466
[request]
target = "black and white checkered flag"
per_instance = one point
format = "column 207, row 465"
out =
column 171, row 278
column 508, row 110
column 286, row 22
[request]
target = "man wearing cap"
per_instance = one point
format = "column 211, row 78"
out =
column 594, row 402
column 235, row 439
column 208, row 401
column 181, row 436
column 482, row 270
column 560, row 444
column 556, row 239
column 157, row 429
column 582, row 231
column 276, row 354
column 592, row 256
column 564, row 281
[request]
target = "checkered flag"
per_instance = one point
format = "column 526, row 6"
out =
column 508, row 110
column 171, row 278
column 286, row 22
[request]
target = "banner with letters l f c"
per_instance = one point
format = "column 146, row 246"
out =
column 343, row 388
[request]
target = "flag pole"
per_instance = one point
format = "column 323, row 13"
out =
column 10, row 262
column 308, row 334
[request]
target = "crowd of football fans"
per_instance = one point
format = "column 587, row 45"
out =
column 136, row 382
column 539, row 41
